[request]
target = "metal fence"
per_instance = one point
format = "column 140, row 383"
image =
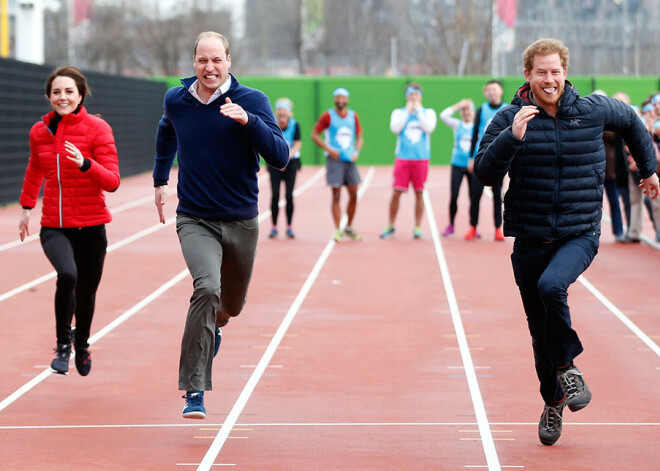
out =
column 132, row 107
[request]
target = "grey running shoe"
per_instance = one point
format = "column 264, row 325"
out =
column 550, row 423
column 60, row 363
column 576, row 390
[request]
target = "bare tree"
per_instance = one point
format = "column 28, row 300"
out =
column 275, row 37
column 135, row 38
column 354, row 36
column 111, row 44
column 443, row 30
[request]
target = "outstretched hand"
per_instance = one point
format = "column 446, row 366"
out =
column 650, row 186
column 234, row 111
column 520, row 120
column 160, row 199
column 23, row 224
column 75, row 155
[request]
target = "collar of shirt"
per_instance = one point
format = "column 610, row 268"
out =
column 220, row 90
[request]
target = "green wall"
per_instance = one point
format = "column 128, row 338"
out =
column 374, row 98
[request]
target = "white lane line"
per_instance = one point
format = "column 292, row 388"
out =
column 650, row 242
column 620, row 315
column 473, row 384
column 480, row 466
column 208, row 426
column 258, row 372
column 111, row 248
column 302, row 188
column 197, row 464
column 116, row 210
column 145, row 232
column 108, row 328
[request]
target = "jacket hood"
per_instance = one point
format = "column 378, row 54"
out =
column 567, row 98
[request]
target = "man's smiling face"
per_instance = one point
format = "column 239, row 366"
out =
column 547, row 79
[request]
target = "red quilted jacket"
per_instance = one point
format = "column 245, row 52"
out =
column 72, row 197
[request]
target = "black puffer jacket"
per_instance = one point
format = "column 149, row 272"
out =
column 557, row 171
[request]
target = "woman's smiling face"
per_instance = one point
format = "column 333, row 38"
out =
column 64, row 95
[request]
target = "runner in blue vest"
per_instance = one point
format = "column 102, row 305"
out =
column 342, row 144
column 493, row 92
column 291, row 132
column 460, row 155
column 413, row 125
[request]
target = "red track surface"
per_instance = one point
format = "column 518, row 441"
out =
column 366, row 371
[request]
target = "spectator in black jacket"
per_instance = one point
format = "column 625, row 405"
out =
column 550, row 141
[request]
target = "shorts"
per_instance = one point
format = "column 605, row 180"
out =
column 407, row 171
column 339, row 173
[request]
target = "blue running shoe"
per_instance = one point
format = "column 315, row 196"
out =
column 218, row 339
column 194, row 408
column 388, row 232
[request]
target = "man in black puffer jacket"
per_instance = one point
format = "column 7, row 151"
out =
column 550, row 141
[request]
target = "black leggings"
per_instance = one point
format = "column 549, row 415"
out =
column 457, row 175
column 475, row 197
column 77, row 254
column 289, row 178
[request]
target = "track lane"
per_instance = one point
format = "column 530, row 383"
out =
column 137, row 363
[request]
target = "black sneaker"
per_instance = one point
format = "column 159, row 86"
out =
column 83, row 361
column 576, row 390
column 550, row 423
column 60, row 363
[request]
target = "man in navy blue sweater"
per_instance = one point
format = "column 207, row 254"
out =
column 218, row 129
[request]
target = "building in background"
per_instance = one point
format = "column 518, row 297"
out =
column 22, row 30
column 335, row 37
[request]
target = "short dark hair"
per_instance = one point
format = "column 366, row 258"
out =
column 73, row 73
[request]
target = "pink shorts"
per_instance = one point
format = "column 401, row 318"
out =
column 407, row 171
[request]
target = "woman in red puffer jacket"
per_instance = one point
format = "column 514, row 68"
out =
column 75, row 154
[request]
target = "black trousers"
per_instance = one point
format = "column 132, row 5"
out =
column 457, row 175
column 476, row 190
column 543, row 273
column 288, row 176
column 77, row 254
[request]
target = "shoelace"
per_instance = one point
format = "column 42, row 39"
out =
column 551, row 416
column 193, row 400
column 61, row 353
column 570, row 380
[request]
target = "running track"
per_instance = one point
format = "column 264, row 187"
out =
column 400, row 354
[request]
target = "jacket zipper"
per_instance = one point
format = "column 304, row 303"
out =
column 59, row 180
column 59, row 185
column 557, row 178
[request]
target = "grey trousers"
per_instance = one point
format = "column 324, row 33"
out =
column 220, row 257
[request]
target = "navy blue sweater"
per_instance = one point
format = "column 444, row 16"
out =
column 557, row 171
column 218, row 157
